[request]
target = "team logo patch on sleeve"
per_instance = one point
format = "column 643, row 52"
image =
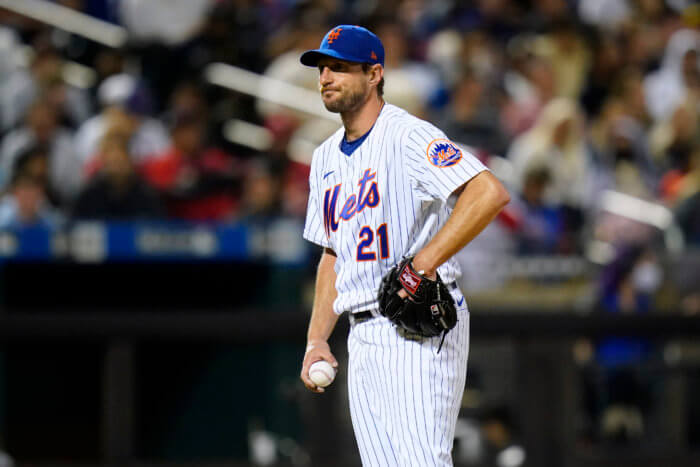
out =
column 443, row 153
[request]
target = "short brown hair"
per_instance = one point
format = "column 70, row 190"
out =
column 380, row 86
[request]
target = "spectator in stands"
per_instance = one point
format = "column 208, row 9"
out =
column 187, row 98
column 26, row 204
column 41, row 128
column 117, row 192
column 9, row 48
column 679, row 74
column 557, row 141
column 284, row 65
column 178, row 21
column 685, row 268
column 688, row 216
column 687, row 207
column 546, row 12
column 261, row 198
column 498, row 19
column 198, row 181
column 622, row 155
column 126, row 108
column 43, row 78
column 605, row 14
column 451, row 52
column 414, row 86
column 234, row 32
column 540, row 229
column 35, row 161
column 607, row 60
column 673, row 142
column 164, row 47
column 294, row 174
column 483, row 56
column 472, row 116
column 529, row 85
column 629, row 88
column 109, row 62
column 564, row 48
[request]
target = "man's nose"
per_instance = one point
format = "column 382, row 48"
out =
column 326, row 75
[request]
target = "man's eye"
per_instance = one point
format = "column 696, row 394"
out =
column 334, row 67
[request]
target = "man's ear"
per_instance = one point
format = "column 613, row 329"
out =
column 376, row 72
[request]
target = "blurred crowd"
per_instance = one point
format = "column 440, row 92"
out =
column 566, row 100
column 569, row 102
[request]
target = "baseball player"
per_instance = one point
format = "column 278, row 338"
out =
column 392, row 199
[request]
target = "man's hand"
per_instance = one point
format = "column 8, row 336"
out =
column 316, row 350
column 417, row 265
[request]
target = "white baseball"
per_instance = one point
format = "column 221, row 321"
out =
column 321, row 373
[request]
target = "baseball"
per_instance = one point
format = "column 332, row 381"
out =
column 321, row 373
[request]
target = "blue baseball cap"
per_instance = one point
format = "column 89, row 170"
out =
column 346, row 42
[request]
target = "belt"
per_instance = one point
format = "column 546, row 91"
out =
column 365, row 315
column 360, row 316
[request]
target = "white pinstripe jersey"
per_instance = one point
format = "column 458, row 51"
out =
column 383, row 202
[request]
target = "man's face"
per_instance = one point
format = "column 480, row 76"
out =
column 116, row 161
column 29, row 196
column 344, row 86
column 42, row 120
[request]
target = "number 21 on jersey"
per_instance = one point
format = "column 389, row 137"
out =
column 365, row 250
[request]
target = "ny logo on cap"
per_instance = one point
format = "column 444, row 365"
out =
column 334, row 35
column 374, row 56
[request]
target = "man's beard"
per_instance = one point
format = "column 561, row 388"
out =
column 346, row 103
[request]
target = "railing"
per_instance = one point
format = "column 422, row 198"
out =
column 277, row 240
column 69, row 20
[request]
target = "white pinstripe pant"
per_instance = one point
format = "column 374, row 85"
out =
column 405, row 398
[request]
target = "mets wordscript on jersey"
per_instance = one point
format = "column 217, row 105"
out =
column 367, row 196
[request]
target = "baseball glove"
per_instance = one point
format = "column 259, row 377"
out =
column 429, row 309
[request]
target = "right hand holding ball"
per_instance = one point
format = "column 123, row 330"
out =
column 321, row 373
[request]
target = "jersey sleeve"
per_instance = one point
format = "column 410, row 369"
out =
column 313, row 227
column 437, row 165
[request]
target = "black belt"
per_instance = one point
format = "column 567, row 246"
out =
column 366, row 315
column 360, row 316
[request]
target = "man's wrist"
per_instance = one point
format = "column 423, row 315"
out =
column 424, row 268
column 313, row 343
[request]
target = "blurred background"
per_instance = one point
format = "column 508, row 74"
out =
column 155, row 288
